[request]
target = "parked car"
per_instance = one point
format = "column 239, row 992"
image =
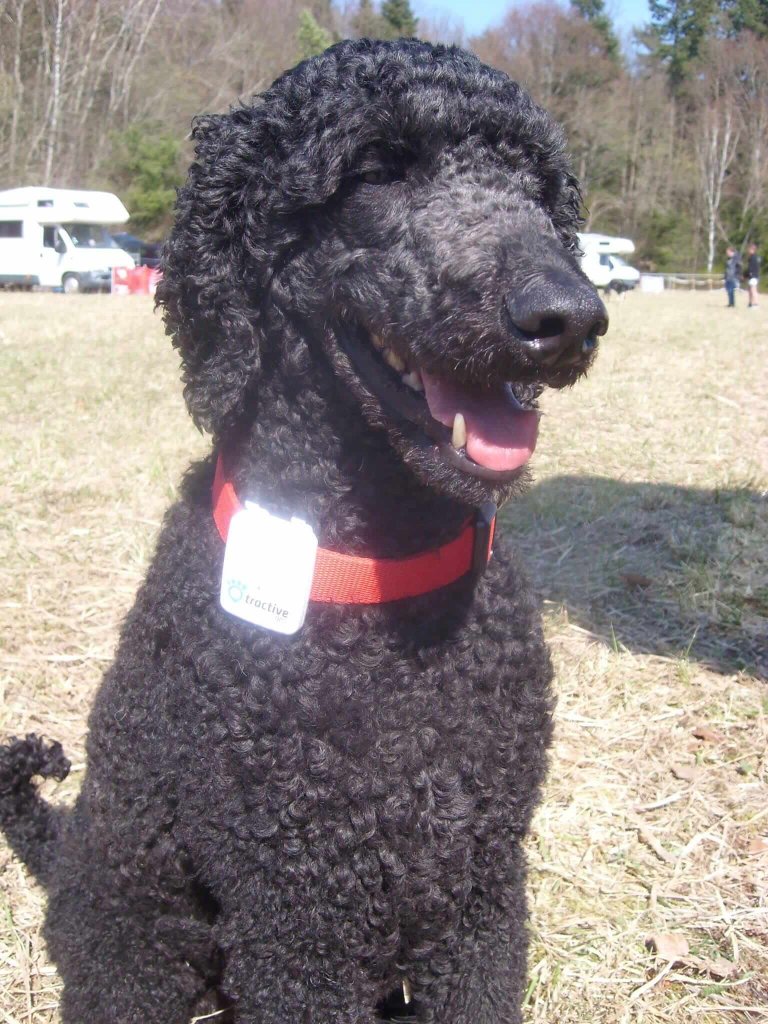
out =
column 146, row 254
column 58, row 238
column 624, row 276
column 603, row 265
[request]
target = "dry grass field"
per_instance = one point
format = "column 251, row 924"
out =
column 647, row 533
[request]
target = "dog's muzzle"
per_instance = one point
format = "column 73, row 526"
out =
column 556, row 320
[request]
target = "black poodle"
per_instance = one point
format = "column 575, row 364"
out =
column 372, row 275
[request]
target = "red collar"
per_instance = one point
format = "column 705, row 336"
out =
column 351, row 579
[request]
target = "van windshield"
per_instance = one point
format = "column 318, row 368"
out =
column 90, row 236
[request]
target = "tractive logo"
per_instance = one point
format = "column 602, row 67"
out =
column 236, row 591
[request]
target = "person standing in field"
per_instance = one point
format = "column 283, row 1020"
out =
column 753, row 273
column 732, row 273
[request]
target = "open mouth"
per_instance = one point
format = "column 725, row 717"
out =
column 486, row 432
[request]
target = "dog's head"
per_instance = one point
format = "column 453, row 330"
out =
column 407, row 215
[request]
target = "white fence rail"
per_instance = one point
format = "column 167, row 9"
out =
column 693, row 281
column 688, row 282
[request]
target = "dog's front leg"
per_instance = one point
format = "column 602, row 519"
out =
column 477, row 974
column 485, row 985
column 274, row 978
column 116, row 967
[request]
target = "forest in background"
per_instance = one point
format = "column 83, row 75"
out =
column 668, row 131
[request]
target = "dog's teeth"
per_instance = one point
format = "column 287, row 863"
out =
column 377, row 342
column 394, row 360
column 413, row 380
column 407, row 994
column 459, row 438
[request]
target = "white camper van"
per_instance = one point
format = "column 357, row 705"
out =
column 58, row 238
column 603, row 264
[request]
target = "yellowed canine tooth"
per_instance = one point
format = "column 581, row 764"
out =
column 459, row 437
column 394, row 360
column 407, row 994
column 413, row 380
column 377, row 342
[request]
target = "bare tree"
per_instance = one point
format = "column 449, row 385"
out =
column 73, row 65
column 752, row 56
column 561, row 58
column 60, row 10
column 717, row 129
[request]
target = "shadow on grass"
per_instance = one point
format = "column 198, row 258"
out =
column 655, row 568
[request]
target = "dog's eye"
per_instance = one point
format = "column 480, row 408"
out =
column 377, row 177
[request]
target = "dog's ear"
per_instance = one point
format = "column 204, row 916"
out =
column 214, row 277
column 567, row 213
column 562, row 192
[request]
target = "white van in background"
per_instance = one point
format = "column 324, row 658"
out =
column 603, row 265
column 58, row 238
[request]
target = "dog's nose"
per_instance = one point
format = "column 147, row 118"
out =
column 557, row 320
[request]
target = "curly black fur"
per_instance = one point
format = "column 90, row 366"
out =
column 29, row 823
column 306, row 820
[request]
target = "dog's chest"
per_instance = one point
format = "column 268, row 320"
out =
column 364, row 746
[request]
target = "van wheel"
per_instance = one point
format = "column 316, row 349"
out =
column 71, row 284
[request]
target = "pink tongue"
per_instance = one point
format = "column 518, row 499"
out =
column 499, row 435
